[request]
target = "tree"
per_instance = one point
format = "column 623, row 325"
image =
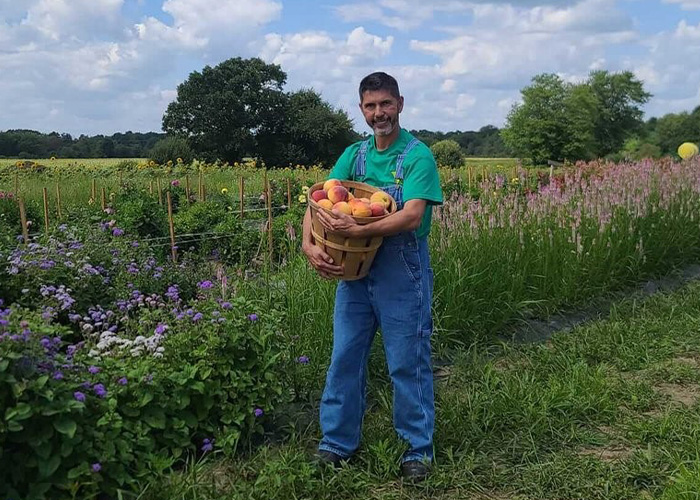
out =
column 447, row 153
column 312, row 132
column 222, row 109
column 618, row 116
column 554, row 122
column 170, row 149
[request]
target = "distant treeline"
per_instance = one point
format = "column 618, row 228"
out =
column 32, row 144
column 486, row 142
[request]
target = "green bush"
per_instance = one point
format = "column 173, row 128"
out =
column 139, row 213
column 76, row 426
column 447, row 153
column 170, row 149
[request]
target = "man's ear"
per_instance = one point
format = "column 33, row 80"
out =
column 400, row 104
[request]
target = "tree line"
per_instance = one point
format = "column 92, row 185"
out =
column 32, row 144
column 239, row 109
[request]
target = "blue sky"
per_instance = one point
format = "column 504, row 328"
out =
column 105, row 66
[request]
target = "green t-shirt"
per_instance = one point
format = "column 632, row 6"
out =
column 420, row 175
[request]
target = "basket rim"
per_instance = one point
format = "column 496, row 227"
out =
column 354, row 184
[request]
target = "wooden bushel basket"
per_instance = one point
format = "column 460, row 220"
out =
column 355, row 254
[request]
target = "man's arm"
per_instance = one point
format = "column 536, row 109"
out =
column 319, row 260
column 408, row 219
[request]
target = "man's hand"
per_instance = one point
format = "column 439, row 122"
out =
column 321, row 261
column 339, row 223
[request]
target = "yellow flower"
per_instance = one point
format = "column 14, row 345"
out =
column 514, row 180
column 224, row 191
column 305, row 189
column 53, row 158
column 151, row 163
column 179, row 160
column 302, row 198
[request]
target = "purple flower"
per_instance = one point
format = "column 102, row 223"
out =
column 226, row 305
column 117, row 232
column 304, row 360
column 96, row 467
column 94, row 370
column 208, row 445
column 253, row 317
column 160, row 329
column 197, row 317
column 58, row 375
column 79, row 396
column 258, row 412
column 205, row 285
column 100, row 390
column 175, row 183
column 122, row 381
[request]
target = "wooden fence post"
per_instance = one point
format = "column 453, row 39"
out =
column 160, row 191
column 289, row 194
column 46, row 210
column 171, row 227
column 242, row 196
column 200, row 191
column 187, row 188
column 150, row 186
column 103, row 198
column 269, row 217
column 58, row 201
column 23, row 218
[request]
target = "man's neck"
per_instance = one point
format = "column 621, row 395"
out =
column 382, row 142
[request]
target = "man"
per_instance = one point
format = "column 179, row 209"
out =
column 395, row 296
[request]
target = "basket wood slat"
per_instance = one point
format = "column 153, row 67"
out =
column 354, row 254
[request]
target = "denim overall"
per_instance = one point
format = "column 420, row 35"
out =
column 395, row 297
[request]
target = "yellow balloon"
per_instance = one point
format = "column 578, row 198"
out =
column 687, row 150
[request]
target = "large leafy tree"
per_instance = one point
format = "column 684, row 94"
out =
column 554, row 122
column 312, row 132
column 222, row 109
column 619, row 97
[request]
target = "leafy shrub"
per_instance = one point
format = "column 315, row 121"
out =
column 447, row 153
column 75, row 426
column 139, row 213
column 170, row 149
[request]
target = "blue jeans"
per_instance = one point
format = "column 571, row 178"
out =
column 396, row 297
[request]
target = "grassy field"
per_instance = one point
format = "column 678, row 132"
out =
column 607, row 411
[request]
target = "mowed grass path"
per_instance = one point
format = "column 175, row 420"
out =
column 607, row 411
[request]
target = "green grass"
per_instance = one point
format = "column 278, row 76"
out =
column 606, row 411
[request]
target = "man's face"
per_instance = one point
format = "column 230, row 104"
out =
column 381, row 111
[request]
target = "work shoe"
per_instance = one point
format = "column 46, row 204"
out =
column 415, row 471
column 325, row 457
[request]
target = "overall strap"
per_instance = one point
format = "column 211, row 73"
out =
column 361, row 159
column 398, row 176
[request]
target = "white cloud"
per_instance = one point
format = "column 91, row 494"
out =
column 686, row 4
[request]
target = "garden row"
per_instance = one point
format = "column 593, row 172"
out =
column 118, row 363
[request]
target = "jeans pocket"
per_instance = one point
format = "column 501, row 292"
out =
column 411, row 260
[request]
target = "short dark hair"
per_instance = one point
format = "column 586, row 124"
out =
column 380, row 81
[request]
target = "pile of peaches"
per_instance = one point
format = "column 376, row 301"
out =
column 334, row 195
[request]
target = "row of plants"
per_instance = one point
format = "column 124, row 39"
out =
column 105, row 288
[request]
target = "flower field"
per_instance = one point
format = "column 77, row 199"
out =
column 124, row 356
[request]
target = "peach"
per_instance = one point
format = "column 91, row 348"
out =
column 377, row 208
column 325, row 203
column 382, row 197
column 330, row 183
column 350, row 196
column 361, row 209
column 343, row 207
column 319, row 195
column 337, row 193
column 366, row 200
